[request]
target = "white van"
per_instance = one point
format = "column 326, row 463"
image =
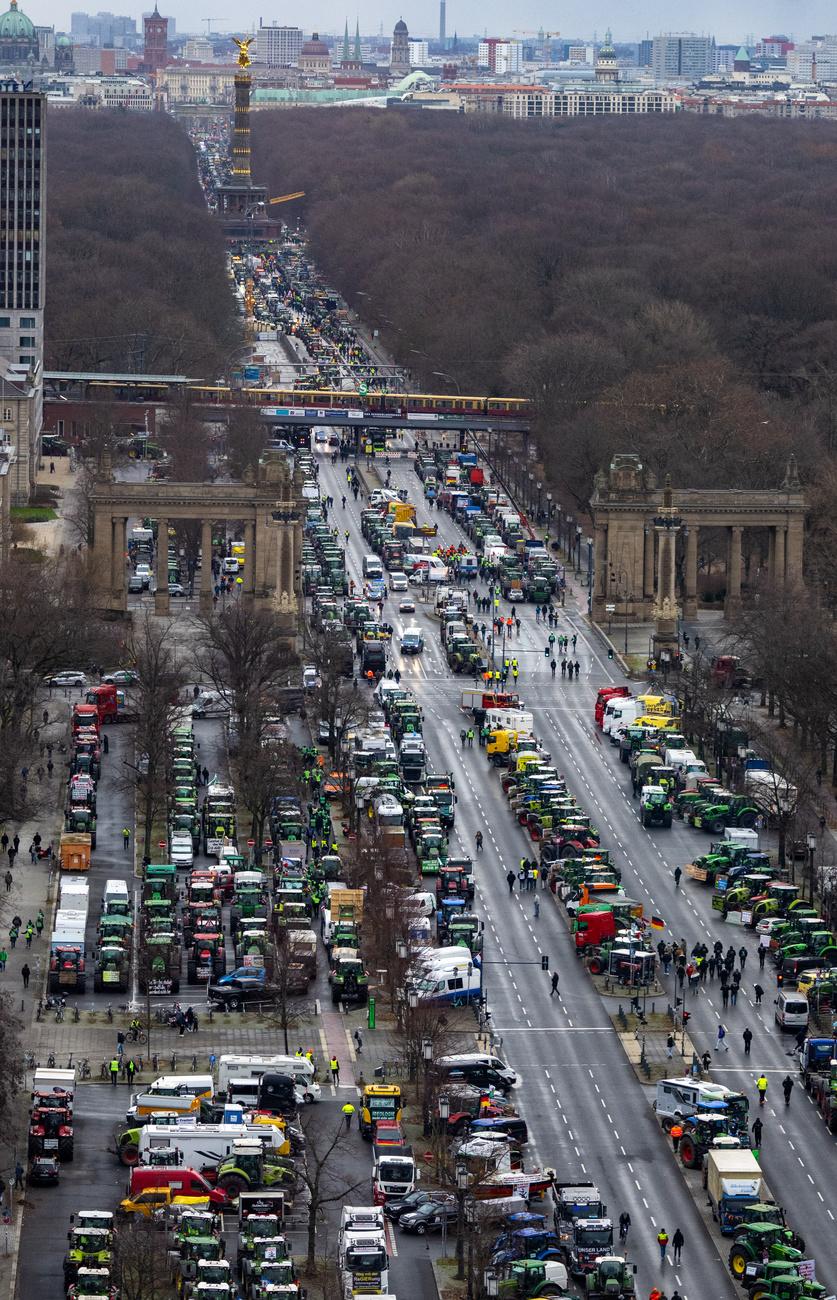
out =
column 451, row 984
column 455, row 955
column 115, row 899
column 372, row 567
column 791, row 1010
column 619, row 713
column 253, row 1067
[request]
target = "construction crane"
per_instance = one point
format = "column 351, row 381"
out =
column 286, row 198
column 542, row 36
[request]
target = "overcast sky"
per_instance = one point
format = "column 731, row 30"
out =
column 630, row 21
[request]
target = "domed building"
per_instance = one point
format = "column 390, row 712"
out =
column 399, row 58
column 63, row 53
column 315, row 57
column 18, row 38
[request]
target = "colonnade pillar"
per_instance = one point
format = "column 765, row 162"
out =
column 690, row 594
column 161, row 596
column 206, row 565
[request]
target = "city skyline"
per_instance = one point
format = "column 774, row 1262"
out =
column 709, row 17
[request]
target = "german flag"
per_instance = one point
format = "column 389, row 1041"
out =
column 657, row 923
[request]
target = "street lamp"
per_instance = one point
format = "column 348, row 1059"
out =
column 461, row 1189
column 578, row 531
column 812, row 848
column 443, row 374
column 489, row 1284
column 540, row 490
column 402, row 949
column 427, row 1057
column 549, row 512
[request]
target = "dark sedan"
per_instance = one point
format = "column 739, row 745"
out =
column 430, row 1217
column 44, row 1170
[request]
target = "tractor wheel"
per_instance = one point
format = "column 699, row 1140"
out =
column 759, row 1292
column 97, row 983
column 233, row 1185
column 748, row 820
column 688, row 1153
column 65, row 1150
column 717, row 827
column 667, row 821
column 129, row 1154
column 550, row 1290
column 596, row 966
column 738, row 1261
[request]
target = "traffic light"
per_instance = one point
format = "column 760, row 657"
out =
column 687, row 1015
column 610, row 652
column 544, row 961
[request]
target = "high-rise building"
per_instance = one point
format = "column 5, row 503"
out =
column 399, row 57
column 156, row 47
column 682, row 56
column 500, row 56
column 419, row 54
column 645, row 52
column 22, row 269
column 442, row 22
column 278, row 47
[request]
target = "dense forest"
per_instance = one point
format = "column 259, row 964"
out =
column 659, row 285
column 135, row 263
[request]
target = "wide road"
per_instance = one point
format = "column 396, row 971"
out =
column 589, row 1118
column 797, row 1151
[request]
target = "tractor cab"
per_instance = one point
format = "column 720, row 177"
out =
column 763, row 1242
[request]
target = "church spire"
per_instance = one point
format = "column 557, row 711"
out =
column 346, row 42
column 358, row 56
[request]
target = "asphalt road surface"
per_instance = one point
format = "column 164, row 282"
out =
column 589, row 1116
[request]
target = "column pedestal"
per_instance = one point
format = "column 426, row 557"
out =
column 161, row 595
column 206, row 567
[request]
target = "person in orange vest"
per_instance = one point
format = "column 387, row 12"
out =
column 662, row 1242
column 656, row 1294
column 676, row 1135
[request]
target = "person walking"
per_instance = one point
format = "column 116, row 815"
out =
column 334, row 1066
column 759, row 992
column 757, row 1132
column 537, row 908
column 114, row 1071
column 126, row 838
column 748, row 1038
column 4, row 957
column 721, row 1044
column 678, row 1241
column 8, row 879
column 29, row 933
column 347, row 1112
column 676, row 1135
column 670, row 1046
column 358, row 1042
column 553, row 992
column 662, row 1242
column 624, row 1225
column 677, row 874
column 13, row 933
column 725, row 995
column 787, row 1088
column 742, row 956
column 25, row 973
column 761, row 1086
column 762, row 956
column 130, row 1070
column 510, row 878
column 18, row 1183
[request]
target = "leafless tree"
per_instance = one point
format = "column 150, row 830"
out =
column 141, row 1261
column 153, row 654
column 264, row 767
column 246, row 440
column 328, row 1152
column 241, row 652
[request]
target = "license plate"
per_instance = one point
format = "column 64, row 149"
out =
column 50, row 1144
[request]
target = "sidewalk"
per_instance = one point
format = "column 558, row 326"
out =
column 33, row 887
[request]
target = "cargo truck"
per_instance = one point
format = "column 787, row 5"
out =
column 733, row 1180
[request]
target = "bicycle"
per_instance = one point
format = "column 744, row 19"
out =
column 136, row 1036
column 59, row 1015
column 51, row 1061
column 84, row 1069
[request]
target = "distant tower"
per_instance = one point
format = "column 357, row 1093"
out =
column 241, row 120
column 345, row 58
column 399, row 59
column 156, row 49
column 441, row 22
column 357, row 52
column 607, row 68
column 741, row 62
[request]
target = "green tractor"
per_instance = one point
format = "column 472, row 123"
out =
column 349, row 981
column 253, row 1227
column 754, row 1241
column 82, row 820
column 247, row 1168
column 93, row 1282
column 263, row 1253
column 702, row 1132
column 533, row 1277
column 208, row 1273
column 112, row 969
column 612, row 1277
column 194, row 1249
column 655, row 806
column 770, row 1212
column 87, row 1248
column 728, row 810
column 783, row 1285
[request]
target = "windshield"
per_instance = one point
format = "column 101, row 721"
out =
column 365, row 1259
column 392, row 1171
column 595, row 1236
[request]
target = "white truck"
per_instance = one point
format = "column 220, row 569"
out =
column 510, row 720
column 203, row 1144
column 253, row 1067
column 74, row 894
column 362, row 1256
column 733, row 1180
column 773, row 794
column 69, row 929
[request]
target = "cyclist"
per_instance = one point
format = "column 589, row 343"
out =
column 624, row 1225
column 478, row 839
column 134, row 1029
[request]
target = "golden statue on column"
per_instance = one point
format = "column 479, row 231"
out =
column 244, row 44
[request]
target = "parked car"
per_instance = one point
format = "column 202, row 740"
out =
column 136, row 582
column 246, row 984
column 70, row 677
column 121, row 677
column 44, row 1170
column 429, row 1217
column 177, row 589
column 143, row 571
column 181, row 851
column 398, row 582
column 413, row 1201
